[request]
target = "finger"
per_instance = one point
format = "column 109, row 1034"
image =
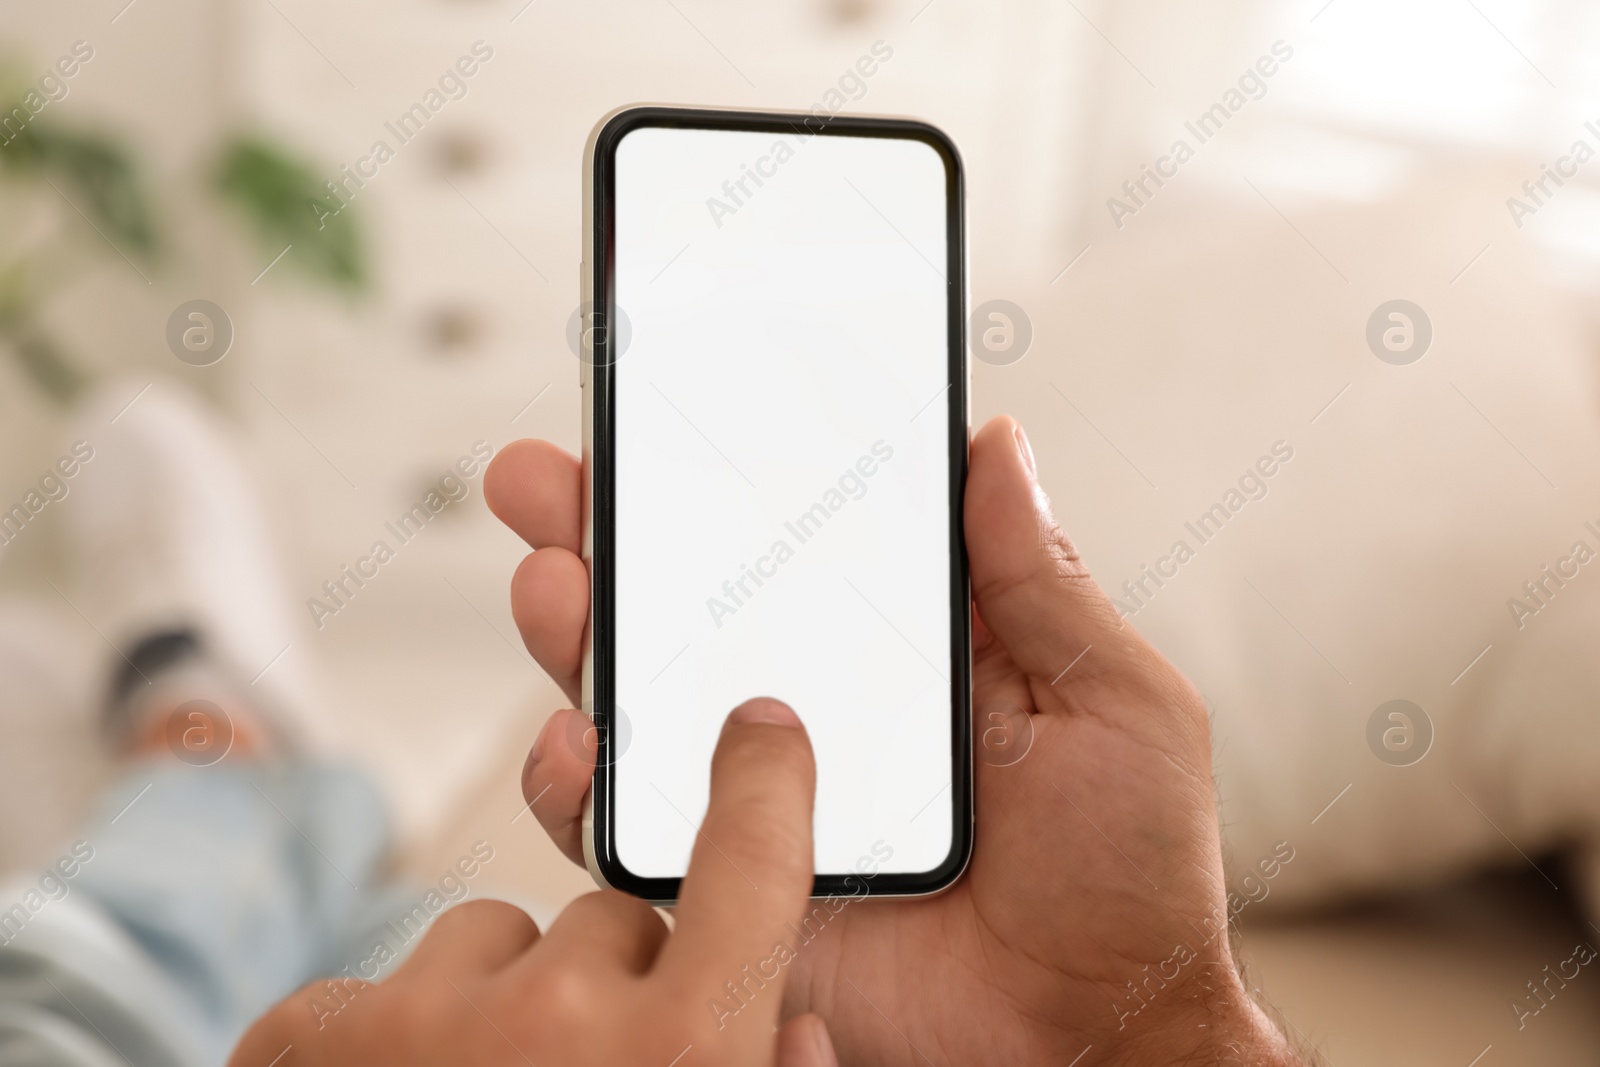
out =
column 751, row 869
column 556, row 779
column 478, row 937
column 610, row 927
column 550, row 604
column 1034, row 593
column 804, row 1042
column 536, row 489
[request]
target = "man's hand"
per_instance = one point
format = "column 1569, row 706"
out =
column 608, row 984
column 1094, row 912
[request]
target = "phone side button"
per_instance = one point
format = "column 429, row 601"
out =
column 585, row 337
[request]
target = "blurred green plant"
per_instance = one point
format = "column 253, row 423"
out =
column 275, row 192
column 260, row 180
column 98, row 170
column 86, row 170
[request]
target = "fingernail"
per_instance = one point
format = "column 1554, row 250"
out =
column 764, row 709
column 1027, row 452
column 538, row 748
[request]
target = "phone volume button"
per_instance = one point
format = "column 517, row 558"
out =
column 584, row 323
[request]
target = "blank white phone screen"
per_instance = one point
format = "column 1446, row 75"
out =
column 782, row 476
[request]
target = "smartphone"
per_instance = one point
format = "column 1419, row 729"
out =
column 775, row 450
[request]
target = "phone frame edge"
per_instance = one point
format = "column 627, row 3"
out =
column 609, row 130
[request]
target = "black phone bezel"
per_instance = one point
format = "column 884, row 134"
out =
column 602, row 490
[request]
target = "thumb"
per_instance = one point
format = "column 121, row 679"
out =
column 1032, row 590
column 804, row 1042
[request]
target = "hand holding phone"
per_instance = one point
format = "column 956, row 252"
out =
column 1094, row 912
column 607, row 983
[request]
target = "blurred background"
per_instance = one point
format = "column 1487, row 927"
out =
column 1180, row 330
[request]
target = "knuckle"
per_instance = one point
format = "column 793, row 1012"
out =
column 588, row 910
column 569, row 993
column 608, row 916
column 478, row 915
column 452, row 923
column 1059, row 549
column 622, row 906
